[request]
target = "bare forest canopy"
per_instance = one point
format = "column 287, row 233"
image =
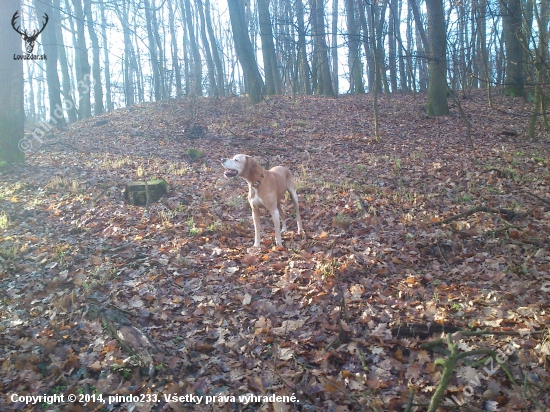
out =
column 103, row 55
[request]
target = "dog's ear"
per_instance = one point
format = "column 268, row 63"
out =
column 255, row 170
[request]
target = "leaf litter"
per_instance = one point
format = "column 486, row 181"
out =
column 101, row 297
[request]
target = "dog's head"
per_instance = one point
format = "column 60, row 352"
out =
column 237, row 165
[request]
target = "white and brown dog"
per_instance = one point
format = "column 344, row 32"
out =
column 267, row 188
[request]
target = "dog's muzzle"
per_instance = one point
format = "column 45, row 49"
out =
column 229, row 172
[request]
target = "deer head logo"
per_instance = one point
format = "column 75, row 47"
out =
column 29, row 39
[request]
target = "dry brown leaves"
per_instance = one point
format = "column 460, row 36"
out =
column 314, row 318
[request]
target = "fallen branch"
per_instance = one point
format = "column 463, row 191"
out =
column 43, row 145
column 483, row 332
column 117, row 325
column 543, row 200
column 503, row 229
column 294, row 388
column 510, row 214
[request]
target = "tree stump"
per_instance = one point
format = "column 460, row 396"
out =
column 141, row 194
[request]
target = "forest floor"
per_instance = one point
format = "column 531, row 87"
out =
column 100, row 298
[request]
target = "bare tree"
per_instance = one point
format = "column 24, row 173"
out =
column 334, row 46
column 272, row 78
column 436, row 102
column 245, row 53
column 213, row 88
column 106, row 56
column 49, row 43
column 513, row 40
column 68, row 97
column 196, row 63
column 81, row 63
column 354, row 61
column 215, row 52
column 154, row 57
column 303, row 69
column 96, row 68
column 12, row 111
column 321, row 64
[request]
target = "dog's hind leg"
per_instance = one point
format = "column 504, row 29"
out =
column 294, row 197
column 277, row 225
column 282, row 216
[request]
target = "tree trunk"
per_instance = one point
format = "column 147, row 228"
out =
column 160, row 50
column 419, row 25
column 68, row 98
column 379, row 15
column 393, row 27
column 436, row 103
column 334, row 48
column 272, row 86
column 245, row 52
column 174, row 44
column 12, row 111
column 512, row 33
column 212, row 87
column 481, row 11
column 539, row 105
column 153, row 56
column 136, row 66
column 303, row 64
column 462, row 28
column 375, row 84
column 322, row 70
column 402, row 51
column 110, row 106
column 367, row 44
column 354, row 61
column 410, row 40
column 127, row 64
column 96, row 68
column 31, row 114
column 49, row 42
column 81, row 63
column 196, row 63
column 215, row 53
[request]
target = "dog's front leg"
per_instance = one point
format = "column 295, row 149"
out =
column 277, row 224
column 257, row 224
